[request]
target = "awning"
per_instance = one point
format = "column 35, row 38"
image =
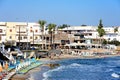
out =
column 77, row 44
column 2, row 57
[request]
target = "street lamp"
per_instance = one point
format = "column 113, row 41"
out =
column 19, row 37
column 27, row 40
column 33, row 39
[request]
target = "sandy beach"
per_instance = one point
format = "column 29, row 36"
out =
column 63, row 56
column 67, row 56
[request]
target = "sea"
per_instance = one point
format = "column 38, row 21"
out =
column 81, row 69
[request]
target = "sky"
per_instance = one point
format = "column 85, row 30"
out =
column 71, row 12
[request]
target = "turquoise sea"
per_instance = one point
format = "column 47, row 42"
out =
column 81, row 69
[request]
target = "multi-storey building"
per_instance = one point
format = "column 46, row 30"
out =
column 88, row 35
column 111, row 34
column 81, row 33
column 21, row 34
column 34, row 34
column 2, row 32
column 26, row 35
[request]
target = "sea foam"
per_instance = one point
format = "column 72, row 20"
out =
column 47, row 74
column 115, row 75
column 75, row 65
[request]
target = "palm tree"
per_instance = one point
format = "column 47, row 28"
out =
column 115, row 29
column 42, row 25
column 63, row 26
column 51, row 28
column 100, row 30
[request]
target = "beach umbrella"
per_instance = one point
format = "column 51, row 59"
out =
column 26, row 63
column 6, row 66
column 1, row 69
column 19, row 66
column 11, row 57
column 3, row 64
column 29, row 62
column 15, row 62
column 22, row 64
column 25, row 55
column 16, row 68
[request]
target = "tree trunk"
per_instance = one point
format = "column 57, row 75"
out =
column 42, row 39
column 45, row 40
column 51, row 40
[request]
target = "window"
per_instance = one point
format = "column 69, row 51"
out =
column 30, row 37
column 0, row 38
column 25, row 37
column 90, row 34
column 36, row 37
column 65, row 31
column 10, row 30
column 10, row 37
column 69, row 32
column 0, row 30
column 36, row 30
column 78, row 30
column 114, row 39
column 31, row 30
column 20, row 38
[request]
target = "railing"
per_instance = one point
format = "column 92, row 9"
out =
column 4, row 53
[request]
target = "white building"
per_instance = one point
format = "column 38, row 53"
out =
column 34, row 33
column 28, row 32
column 82, row 33
column 2, row 32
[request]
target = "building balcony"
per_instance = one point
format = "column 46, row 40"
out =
column 89, row 36
column 23, row 40
column 77, row 38
column 2, row 34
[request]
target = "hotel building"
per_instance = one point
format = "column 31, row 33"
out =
column 26, row 35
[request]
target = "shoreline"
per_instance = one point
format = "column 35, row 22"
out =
column 67, row 56
column 61, row 57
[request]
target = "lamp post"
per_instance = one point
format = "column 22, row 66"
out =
column 27, row 40
column 33, row 38
column 19, row 36
column 45, row 40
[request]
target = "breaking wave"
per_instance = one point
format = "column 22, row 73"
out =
column 47, row 74
column 98, row 69
column 115, row 75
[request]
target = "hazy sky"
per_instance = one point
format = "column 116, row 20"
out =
column 72, row 12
